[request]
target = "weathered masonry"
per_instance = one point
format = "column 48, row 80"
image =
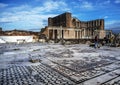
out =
column 67, row 27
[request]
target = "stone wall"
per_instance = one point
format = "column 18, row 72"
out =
column 16, row 39
column 63, row 20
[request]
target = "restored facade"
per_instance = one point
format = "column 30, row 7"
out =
column 67, row 27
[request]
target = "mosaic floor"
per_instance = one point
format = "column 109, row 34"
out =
column 59, row 65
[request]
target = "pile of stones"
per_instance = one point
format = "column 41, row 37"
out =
column 34, row 58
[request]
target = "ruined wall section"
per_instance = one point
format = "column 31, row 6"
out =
column 63, row 20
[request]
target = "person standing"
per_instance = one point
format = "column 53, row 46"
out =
column 112, row 39
column 106, row 40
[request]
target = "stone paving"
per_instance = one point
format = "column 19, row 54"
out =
column 86, row 74
column 30, row 75
column 16, row 75
column 59, row 65
column 44, row 75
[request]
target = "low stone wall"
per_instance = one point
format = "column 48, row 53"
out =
column 77, row 41
column 17, row 39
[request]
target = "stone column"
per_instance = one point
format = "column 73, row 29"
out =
column 89, row 33
column 57, row 33
column 84, row 33
column 48, row 34
column 80, row 34
column 53, row 34
column 62, row 34
column 77, row 34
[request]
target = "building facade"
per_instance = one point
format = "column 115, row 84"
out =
column 67, row 27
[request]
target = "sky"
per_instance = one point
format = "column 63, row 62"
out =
column 33, row 15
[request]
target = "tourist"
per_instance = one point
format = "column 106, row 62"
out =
column 96, row 41
column 111, row 40
column 106, row 40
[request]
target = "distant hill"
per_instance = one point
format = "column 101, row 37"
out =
column 115, row 30
column 18, row 33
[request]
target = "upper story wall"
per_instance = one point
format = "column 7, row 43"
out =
column 66, row 20
column 63, row 20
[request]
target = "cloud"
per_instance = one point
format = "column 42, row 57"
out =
column 21, row 7
column 86, row 5
column 37, row 0
column 54, row 5
column 26, row 16
column 26, row 20
column 105, row 17
column 2, row 5
column 117, row 1
column 112, row 24
column 50, row 6
column 82, row 5
column 106, row 2
column 9, row 19
column 100, row 3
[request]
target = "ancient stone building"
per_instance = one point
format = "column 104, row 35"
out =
column 67, row 27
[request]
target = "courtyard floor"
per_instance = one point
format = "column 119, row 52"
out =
column 57, row 64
